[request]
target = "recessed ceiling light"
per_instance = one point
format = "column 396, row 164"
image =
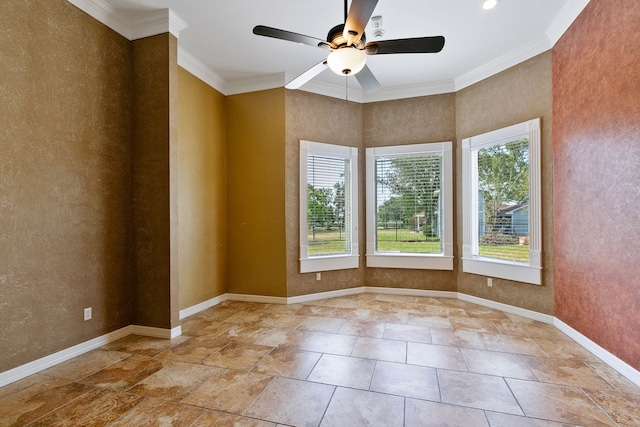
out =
column 489, row 4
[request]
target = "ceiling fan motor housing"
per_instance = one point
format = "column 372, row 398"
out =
column 353, row 54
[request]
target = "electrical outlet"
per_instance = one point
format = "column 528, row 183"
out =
column 87, row 313
column 318, row 276
column 489, row 281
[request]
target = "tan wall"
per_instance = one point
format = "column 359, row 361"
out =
column 65, row 179
column 202, row 191
column 256, row 193
column 320, row 119
column 410, row 121
column 155, row 283
column 518, row 94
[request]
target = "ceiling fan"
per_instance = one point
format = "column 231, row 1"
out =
column 348, row 46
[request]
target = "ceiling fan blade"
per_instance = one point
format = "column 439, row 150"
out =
column 359, row 14
column 307, row 75
column 262, row 30
column 417, row 45
column 367, row 80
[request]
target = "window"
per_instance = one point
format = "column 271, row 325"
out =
column 501, row 203
column 328, row 207
column 409, row 206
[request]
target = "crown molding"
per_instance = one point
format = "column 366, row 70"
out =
column 136, row 27
column 564, row 19
column 527, row 51
column 254, row 84
column 201, row 71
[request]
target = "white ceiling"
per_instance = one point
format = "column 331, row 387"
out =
column 218, row 44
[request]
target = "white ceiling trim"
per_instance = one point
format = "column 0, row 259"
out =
column 201, row 71
column 527, row 51
column 564, row 19
column 137, row 27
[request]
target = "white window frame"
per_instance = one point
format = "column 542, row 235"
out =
column 328, row 262
column 528, row 272
column 442, row 261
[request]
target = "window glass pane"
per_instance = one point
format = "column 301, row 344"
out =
column 503, row 201
column 409, row 204
column 328, row 206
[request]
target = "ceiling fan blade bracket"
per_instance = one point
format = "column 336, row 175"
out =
column 359, row 14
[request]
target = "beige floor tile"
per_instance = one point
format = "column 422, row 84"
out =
column 98, row 407
column 198, row 327
column 288, row 362
column 429, row 321
column 175, row 381
column 231, row 391
column 28, row 404
column 341, row 302
column 145, row 346
column 86, row 364
column 420, row 413
column 363, row 408
column 194, row 350
column 343, row 371
column 388, row 316
column 565, row 349
column 623, row 408
column 244, row 317
column 477, row 391
column 124, row 374
column 498, row 364
column 323, row 342
column 316, row 310
column 321, row 324
column 400, row 379
column 566, row 372
column 281, row 320
column 558, row 403
column 512, row 344
column 363, row 328
column 23, row 384
column 486, row 313
column 159, row 412
column 435, row 356
column 497, row 419
column 455, row 338
column 614, row 378
column 292, row 402
column 238, row 355
column 380, row 349
column 372, row 304
column 474, row 324
column 530, row 329
column 277, row 337
column 409, row 332
column 221, row 419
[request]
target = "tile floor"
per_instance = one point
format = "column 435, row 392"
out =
column 362, row 360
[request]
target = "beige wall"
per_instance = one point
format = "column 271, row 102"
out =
column 154, row 115
column 256, row 193
column 518, row 94
column 65, row 179
column 202, row 191
column 410, row 121
column 320, row 119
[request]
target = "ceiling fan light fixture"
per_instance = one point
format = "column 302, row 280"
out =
column 346, row 61
column 490, row 4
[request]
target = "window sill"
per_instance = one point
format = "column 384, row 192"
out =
column 410, row 261
column 328, row 263
column 515, row 271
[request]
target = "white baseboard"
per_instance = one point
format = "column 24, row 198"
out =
column 529, row 314
column 324, row 295
column 619, row 365
column 148, row 331
column 194, row 309
column 43, row 363
column 264, row 299
column 411, row 292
